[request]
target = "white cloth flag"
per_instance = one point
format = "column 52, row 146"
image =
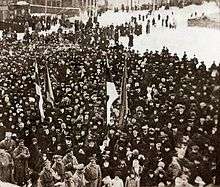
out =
column 111, row 93
column 39, row 93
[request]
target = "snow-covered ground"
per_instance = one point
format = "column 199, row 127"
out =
column 181, row 14
column 202, row 42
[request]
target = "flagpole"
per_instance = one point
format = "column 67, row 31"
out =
column 123, row 97
column 106, row 91
column 49, row 89
column 39, row 92
column 106, row 87
column 107, row 126
column 111, row 91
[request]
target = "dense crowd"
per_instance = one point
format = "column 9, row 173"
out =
column 34, row 23
column 169, row 134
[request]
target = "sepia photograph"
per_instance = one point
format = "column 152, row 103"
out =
column 109, row 93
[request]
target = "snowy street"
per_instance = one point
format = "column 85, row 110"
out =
column 193, row 40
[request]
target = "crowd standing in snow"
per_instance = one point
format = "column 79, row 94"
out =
column 137, row 26
column 169, row 135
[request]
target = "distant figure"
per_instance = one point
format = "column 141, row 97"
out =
column 116, row 36
column 153, row 22
column 131, row 40
column 195, row 14
column 148, row 27
column 166, row 21
column 159, row 17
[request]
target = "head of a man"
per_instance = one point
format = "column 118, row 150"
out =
column 93, row 160
column 21, row 143
column 8, row 135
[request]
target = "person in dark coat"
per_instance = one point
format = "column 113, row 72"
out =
column 159, row 16
column 70, row 161
column 8, row 143
column 93, row 174
column 58, row 166
column 148, row 27
column 21, row 155
column 6, row 166
column 78, row 178
column 131, row 40
column 153, row 22
column 34, row 154
column 116, row 35
column 132, row 180
column 48, row 177
column 107, row 169
column 149, row 180
column 139, row 16
column 166, row 21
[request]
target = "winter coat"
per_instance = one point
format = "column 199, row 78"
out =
column 132, row 182
column 21, row 155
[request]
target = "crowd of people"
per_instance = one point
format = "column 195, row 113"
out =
column 137, row 25
column 33, row 23
column 168, row 136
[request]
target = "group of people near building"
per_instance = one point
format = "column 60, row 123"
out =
column 34, row 23
column 135, row 27
column 168, row 137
